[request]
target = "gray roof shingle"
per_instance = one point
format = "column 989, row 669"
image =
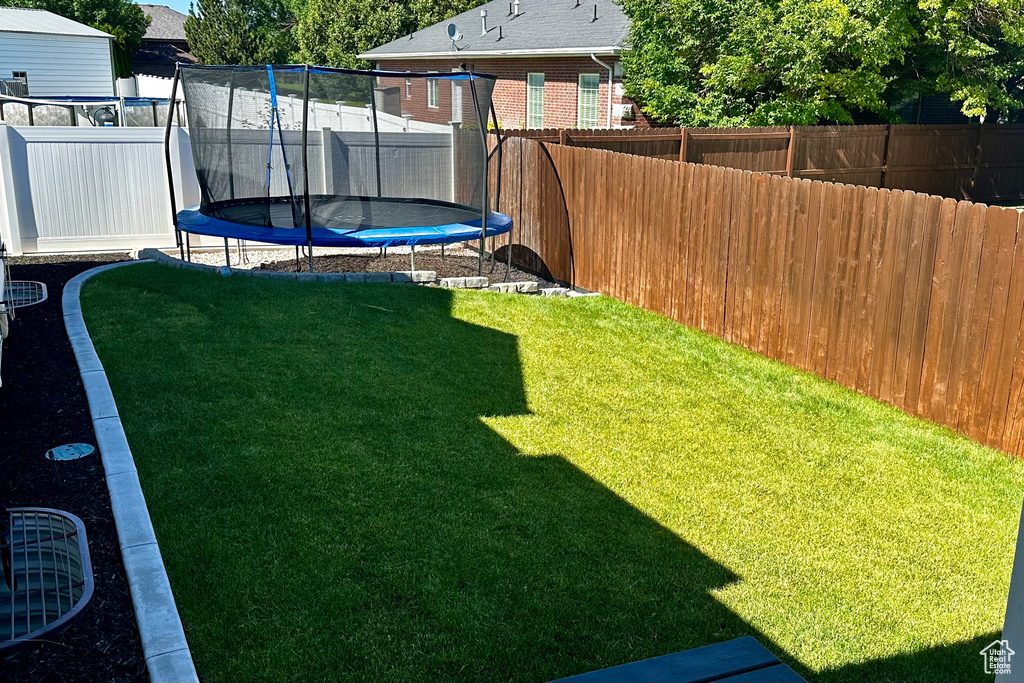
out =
column 543, row 27
column 165, row 23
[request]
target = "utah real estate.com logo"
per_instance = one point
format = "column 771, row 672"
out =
column 996, row 656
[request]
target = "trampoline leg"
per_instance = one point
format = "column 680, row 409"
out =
column 508, row 256
column 188, row 247
column 311, row 257
column 480, row 262
column 412, row 257
column 442, row 253
column 227, row 253
column 296, row 258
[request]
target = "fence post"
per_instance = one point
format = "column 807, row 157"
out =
column 10, row 225
column 789, row 151
column 563, row 137
column 977, row 160
column 885, row 155
column 684, row 138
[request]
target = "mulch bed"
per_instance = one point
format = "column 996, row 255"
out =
column 461, row 263
column 42, row 405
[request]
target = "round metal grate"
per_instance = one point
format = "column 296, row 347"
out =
column 21, row 293
column 71, row 451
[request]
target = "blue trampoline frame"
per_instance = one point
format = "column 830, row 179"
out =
column 193, row 221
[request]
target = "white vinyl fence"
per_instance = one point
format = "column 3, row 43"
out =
column 79, row 189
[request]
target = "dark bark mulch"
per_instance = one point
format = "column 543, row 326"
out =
column 42, row 405
column 456, row 263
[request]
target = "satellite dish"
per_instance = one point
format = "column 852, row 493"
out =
column 454, row 33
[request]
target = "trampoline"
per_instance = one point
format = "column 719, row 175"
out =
column 312, row 156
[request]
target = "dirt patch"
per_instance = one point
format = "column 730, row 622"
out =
column 42, row 405
column 458, row 262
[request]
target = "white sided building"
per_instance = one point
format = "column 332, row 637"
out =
column 50, row 55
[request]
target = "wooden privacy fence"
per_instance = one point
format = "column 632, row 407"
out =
column 912, row 299
column 981, row 162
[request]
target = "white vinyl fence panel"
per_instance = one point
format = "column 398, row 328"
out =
column 90, row 189
column 81, row 189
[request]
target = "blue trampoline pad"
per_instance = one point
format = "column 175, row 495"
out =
column 343, row 221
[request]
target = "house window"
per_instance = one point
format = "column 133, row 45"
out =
column 408, row 87
column 16, row 86
column 432, row 93
column 588, row 105
column 456, row 100
column 534, row 100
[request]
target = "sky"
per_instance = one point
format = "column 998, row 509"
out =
column 180, row 5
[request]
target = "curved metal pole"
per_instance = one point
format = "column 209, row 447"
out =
column 305, row 168
column 497, row 192
column 483, row 141
column 167, row 159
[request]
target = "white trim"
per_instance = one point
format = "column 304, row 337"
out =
column 487, row 54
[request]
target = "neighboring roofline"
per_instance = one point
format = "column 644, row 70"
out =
column 54, row 33
column 491, row 54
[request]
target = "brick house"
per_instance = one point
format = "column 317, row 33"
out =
column 557, row 64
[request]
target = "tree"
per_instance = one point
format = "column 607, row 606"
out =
column 122, row 19
column 240, row 32
column 774, row 62
column 334, row 32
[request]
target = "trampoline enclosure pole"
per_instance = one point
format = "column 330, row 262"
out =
column 483, row 141
column 167, row 159
column 497, row 192
column 231, row 165
column 376, row 134
column 305, row 168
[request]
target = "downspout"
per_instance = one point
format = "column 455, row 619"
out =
column 611, row 85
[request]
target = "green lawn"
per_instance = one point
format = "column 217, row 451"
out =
column 382, row 482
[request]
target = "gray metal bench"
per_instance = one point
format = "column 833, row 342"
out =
column 742, row 659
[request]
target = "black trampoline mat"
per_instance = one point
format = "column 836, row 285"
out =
column 339, row 212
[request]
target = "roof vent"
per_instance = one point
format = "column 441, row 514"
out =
column 510, row 9
column 515, row 7
column 576, row 5
column 483, row 22
column 500, row 33
column 595, row 12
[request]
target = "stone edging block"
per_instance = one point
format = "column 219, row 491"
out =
column 163, row 638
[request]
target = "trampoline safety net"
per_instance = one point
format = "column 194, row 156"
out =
column 296, row 147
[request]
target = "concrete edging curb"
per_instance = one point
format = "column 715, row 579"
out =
column 163, row 637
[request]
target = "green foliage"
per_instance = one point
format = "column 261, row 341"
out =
column 241, row 32
column 774, row 62
column 333, row 32
column 122, row 19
